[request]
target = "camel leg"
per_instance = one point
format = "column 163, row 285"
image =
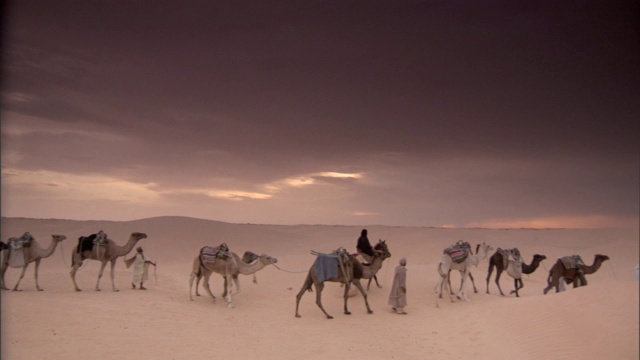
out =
column 347, row 286
column 551, row 282
column 198, row 277
column 5, row 265
column 102, row 266
column 37, row 266
column 113, row 276
column 515, row 284
column 74, row 268
column 193, row 276
column 475, row 290
column 462, row 293
column 205, row 283
column 491, row 265
column 358, row 285
column 319, row 288
column 519, row 285
column 228, row 281
column 498, row 274
column 24, row 269
column 305, row 287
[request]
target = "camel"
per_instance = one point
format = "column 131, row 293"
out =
column 229, row 267
column 107, row 253
column 247, row 258
column 33, row 253
column 514, row 267
column 572, row 275
column 447, row 264
column 350, row 272
column 528, row 269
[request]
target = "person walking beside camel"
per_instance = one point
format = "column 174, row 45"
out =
column 140, row 268
column 398, row 295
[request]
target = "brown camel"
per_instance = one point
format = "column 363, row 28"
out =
column 33, row 253
column 229, row 267
column 573, row 275
column 513, row 267
column 109, row 252
column 347, row 270
column 528, row 269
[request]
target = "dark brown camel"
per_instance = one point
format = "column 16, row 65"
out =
column 497, row 261
column 350, row 272
column 529, row 269
column 573, row 275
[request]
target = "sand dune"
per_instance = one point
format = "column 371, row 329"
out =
column 593, row 322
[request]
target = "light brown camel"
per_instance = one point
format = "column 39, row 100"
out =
column 229, row 267
column 446, row 264
column 349, row 273
column 573, row 275
column 103, row 253
column 248, row 257
column 33, row 253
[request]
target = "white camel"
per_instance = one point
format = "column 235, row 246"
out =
column 33, row 253
column 108, row 252
column 446, row 264
column 229, row 267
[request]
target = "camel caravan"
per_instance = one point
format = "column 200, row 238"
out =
column 339, row 266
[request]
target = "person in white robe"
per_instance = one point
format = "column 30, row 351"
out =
column 398, row 295
column 140, row 269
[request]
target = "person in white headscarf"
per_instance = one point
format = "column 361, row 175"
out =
column 398, row 295
column 140, row 269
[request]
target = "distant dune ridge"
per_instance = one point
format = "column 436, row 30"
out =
column 599, row 321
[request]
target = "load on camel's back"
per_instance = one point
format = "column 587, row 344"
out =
column 459, row 251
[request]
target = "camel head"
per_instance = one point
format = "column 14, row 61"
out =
column 138, row 236
column 382, row 249
column 266, row 259
column 58, row 238
column 485, row 247
column 601, row 257
column 539, row 257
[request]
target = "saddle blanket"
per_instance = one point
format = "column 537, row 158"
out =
column 571, row 262
column 326, row 267
column 211, row 253
column 16, row 257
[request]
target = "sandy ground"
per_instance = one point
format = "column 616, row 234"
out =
column 599, row 321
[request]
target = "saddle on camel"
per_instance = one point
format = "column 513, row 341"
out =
column 459, row 251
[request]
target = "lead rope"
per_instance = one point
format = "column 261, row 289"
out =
column 293, row 272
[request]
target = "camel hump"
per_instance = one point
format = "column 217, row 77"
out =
column 23, row 241
column 572, row 261
column 459, row 251
column 211, row 253
column 249, row 257
column 86, row 243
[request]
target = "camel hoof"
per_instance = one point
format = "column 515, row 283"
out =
column 78, row 290
column 230, row 305
column 98, row 290
column 40, row 289
column 329, row 317
column 298, row 316
column 116, row 290
column 369, row 311
column 347, row 312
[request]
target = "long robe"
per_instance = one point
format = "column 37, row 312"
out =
column 398, row 295
column 140, row 268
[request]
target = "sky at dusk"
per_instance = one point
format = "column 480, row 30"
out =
column 403, row 113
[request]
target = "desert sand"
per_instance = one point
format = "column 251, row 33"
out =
column 598, row 321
